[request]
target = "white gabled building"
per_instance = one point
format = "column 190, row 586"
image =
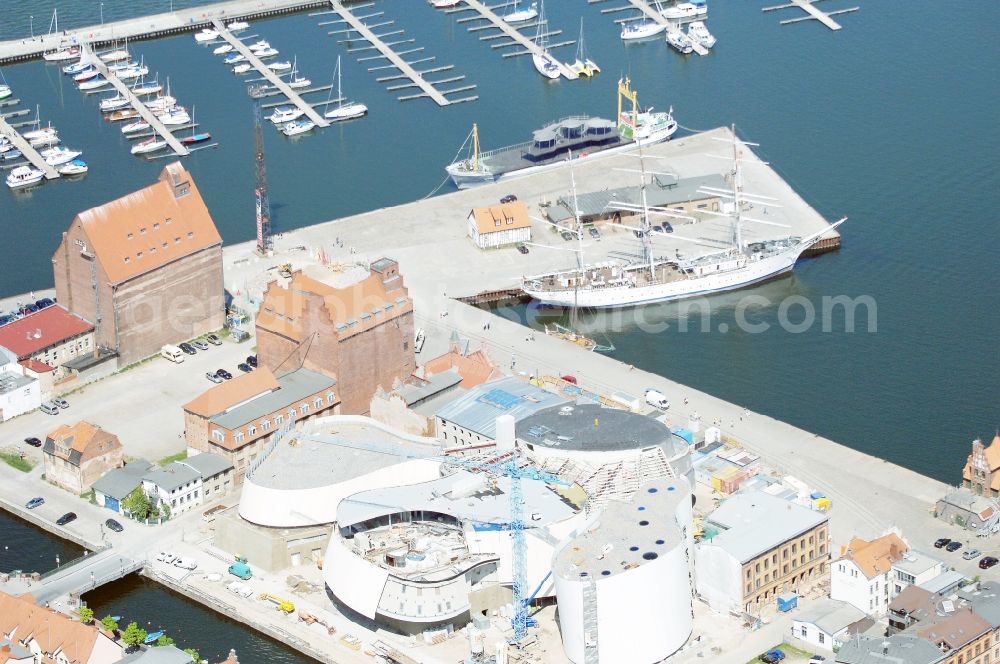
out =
column 19, row 392
column 826, row 623
column 862, row 576
column 499, row 225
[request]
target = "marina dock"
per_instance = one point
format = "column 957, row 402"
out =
column 515, row 35
column 812, row 13
column 137, row 104
column 656, row 16
column 271, row 76
column 29, row 153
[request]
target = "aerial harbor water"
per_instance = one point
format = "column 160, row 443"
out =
column 868, row 121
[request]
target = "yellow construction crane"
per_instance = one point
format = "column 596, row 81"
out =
column 283, row 604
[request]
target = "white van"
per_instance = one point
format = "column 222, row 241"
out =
column 657, row 399
column 172, row 353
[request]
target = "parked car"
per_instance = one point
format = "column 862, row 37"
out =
column 187, row 348
column 509, row 198
column 772, row 656
column 667, row 228
column 66, row 518
column 214, row 340
column 594, row 233
column 972, row 553
column 44, row 302
column 59, row 401
column 49, row 408
column 199, row 344
column 941, row 543
column 6, row 319
column 34, row 502
column 27, row 309
column 244, row 367
column 214, row 377
column 817, row 659
column 522, row 248
column 34, row 442
column 566, row 235
column 166, row 557
column 252, row 360
column 222, row 373
column 658, row 228
column 569, row 378
column 186, row 563
column 987, row 562
column 114, row 525
column 953, row 547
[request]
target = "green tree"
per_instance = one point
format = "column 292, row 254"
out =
column 164, row 640
column 165, row 510
column 109, row 624
column 133, row 634
column 86, row 614
column 194, row 655
column 137, row 503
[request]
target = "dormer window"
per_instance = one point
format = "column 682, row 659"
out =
column 190, row 234
column 142, row 231
column 127, row 259
column 156, row 225
column 168, row 221
column 130, row 236
column 138, row 254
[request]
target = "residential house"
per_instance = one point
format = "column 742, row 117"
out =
column 964, row 635
column 914, row 569
column 499, row 225
column 896, row 649
column 826, row 623
column 757, row 546
column 51, row 336
column 77, row 456
column 217, row 474
column 112, row 488
column 235, row 419
column 146, row 269
column 19, row 392
column 52, row 637
column 175, row 485
column 355, row 328
column 973, row 511
column 157, row 655
column 862, row 576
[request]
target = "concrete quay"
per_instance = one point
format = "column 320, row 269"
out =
column 151, row 27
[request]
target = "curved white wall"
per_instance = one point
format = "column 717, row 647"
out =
column 355, row 581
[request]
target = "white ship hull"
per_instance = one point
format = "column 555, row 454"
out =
column 628, row 296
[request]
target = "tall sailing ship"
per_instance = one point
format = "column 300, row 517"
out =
column 655, row 279
column 579, row 136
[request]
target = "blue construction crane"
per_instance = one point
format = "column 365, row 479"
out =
column 507, row 467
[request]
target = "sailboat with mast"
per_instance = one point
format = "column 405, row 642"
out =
column 344, row 111
column 65, row 50
column 583, row 66
column 546, row 65
column 655, row 279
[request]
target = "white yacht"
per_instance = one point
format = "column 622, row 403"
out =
column 132, row 73
column 115, row 56
column 5, row 91
column 258, row 46
column 266, row 53
column 149, row 145
column 284, row 114
column 641, row 30
column 236, row 26
column 545, row 64
column 94, row 83
column 86, row 74
column 161, row 104
column 284, row 65
column 679, row 41
column 225, row 48
column 297, row 127
column 75, row 167
column 686, row 11
column 206, row 35
column 41, row 132
column 177, row 116
column 444, row 4
column 698, row 32
column 521, row 14
column 76, row 68
column 59, row 155
column 233, row 58
column 133, row 127
column 44, row 141
column 344, row 110
column 151, row 88
column 62, row 54
column 115, row 103
column 242, row 68
column 24, row 176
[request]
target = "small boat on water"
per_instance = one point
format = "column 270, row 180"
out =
column 196, row 138
column 242, row 69
column 698, row 33
column 5, row 91
column 344, row 111
column 521, row 14
column 44, row 141
column 120, row 66
column 296, row 82
column 59, row 155
column 149, row 145
column 24, row 176
column 266, row 53
column 284, row 65
column 641, row 30
column 583, row 66
column 131, row 73
column 94, row 83
column 233, row 58
column 153, row 636
column 225, row 48
column 86, row 74
column 115, row 103
column 76, row 68
column 257, row 46
column 162, row 103
column 686, row 11
column 123, row 114
column 284, row 114
column 41, row 132
column 11, row 155
column 297, row 127
column 236, row 26
column 115, row 56
column 679, row 41
column 62, row 54
column 75, row 167
column 444, row 4
column 175, row 117
column 545, row 64
column 133, row 127
column 206, row 35
column 151, row 88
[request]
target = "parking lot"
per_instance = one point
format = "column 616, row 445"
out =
column 142, row 405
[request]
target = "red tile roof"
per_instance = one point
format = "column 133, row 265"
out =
column 218, row 399
column 40, row 330
column 36, row 365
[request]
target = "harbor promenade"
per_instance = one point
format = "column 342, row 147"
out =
column 148, row 27
column 29, row 153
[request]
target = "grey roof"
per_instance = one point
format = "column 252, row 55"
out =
column 755, row 522
column 592, row 428
column 158, row 655
column 830, row 615
column 916, row 562
column 944, row 582
column 431, row 405
column 661, row 193
column 10, row 381
column 965, row 499
column 7, row 357
column 478, row 409
column 172, row 476
column 437, row 383
column 120, row 482
column 896, row 649
column 17, row 651
column 985, row 601
column 294, row 386
column 207, row 464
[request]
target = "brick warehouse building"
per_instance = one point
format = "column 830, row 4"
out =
column 146, row 269
column 360, row 333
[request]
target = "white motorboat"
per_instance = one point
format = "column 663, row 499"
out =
column 115, row 103
column 258, row 46
column 297, row 127
column 131, row 73
column 62, row 54
column 520, row 14
column 76, row 68
column 344, row 111
column 176, row 117
column 75, row 167
column 39, row 133
column 233, row 58
column 86, row 75
column 11, row 155
column 284, row 114
column 122, row 66
column 24, row 176
column 133, row 127
column 698, row 32
column 44, row 141
column 59, row 155
column 206, row 35
column 161, row 103
column 115, row 56
column 94, row 83
column 298, row 82
column 641, row 30
column 545, row 64
column 266, row 53
column 5, row 91
column 236, row 26
column 284, row 65
column 679, row 41
column 685, row 11
column 149, row 145
column 444, row 4
column 242, row 69
column 225, row 48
